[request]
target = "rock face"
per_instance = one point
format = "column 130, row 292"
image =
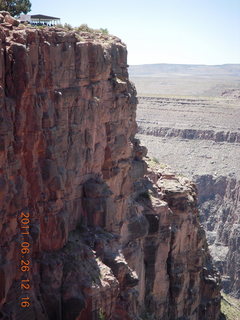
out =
column 199, row 137
column 181, row 282
column 191, row 134
column 220, row 211
column 104, row 240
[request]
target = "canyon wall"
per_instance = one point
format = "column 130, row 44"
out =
column 219, row 136
column 199, row 137
column 107, row 238
column 219, row 208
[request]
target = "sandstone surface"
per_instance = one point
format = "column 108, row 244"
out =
column 107, row 238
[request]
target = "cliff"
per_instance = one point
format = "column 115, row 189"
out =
column 219, row 213
column 182, row 132
column 106, row 238
column 191, row 134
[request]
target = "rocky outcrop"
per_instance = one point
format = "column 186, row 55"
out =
column 217, row 136
column 7, row 20
column 219, row 212
column 231, row 93
column 180, row 279
column 103, row 241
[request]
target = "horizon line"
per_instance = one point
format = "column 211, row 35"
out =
column 187, row 64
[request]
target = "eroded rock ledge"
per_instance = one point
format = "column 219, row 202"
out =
column 220, row 136
column 107, row 238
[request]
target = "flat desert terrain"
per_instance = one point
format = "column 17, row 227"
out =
column 193, row 136
column 189, row 118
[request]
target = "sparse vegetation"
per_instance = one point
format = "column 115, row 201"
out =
column 40, row 26
column 104, row 31
column 86, row 28
column 68, row 26
column 162, row 165
column 101, row 315
column 59, row 25
column 145, row 195
column 82, row 28
column 230, row 307
column 155, row 160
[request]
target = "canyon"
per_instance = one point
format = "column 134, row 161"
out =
column 112, row 235
column 197, row 134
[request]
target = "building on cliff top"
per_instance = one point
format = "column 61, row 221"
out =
column 39, row 19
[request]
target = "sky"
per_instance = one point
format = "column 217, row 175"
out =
column 159, row 31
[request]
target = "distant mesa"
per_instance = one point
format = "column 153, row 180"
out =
column 154, row 70
column 39, row 19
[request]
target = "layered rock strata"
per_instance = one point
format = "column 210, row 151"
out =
column 104, row 241
column 166, row 132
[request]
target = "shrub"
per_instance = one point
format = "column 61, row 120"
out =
column 155, row 160
column 104, row 30
column 67, row 26
column 101, row 315
column 84, row 27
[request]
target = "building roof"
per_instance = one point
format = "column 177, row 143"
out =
column 43, row 17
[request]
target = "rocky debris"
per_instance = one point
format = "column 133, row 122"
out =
column 7, row 19
column 194, row 157
column 100, row 244
column 194, row 113
column 204, row 132
column 176, row 250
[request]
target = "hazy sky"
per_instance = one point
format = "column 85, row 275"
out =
column 157, row 31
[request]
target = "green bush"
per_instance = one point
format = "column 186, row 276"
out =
column 101, row 315
column 104, row 31
column 67, row 26
column 154, row 159
column 230, row 307
column 85, row 28
column 82, row 28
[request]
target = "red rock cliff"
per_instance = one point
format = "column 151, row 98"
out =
column 106, row 242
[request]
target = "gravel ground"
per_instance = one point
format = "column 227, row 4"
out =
column 192, row 156
column 184, row 85
column 212, row 113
